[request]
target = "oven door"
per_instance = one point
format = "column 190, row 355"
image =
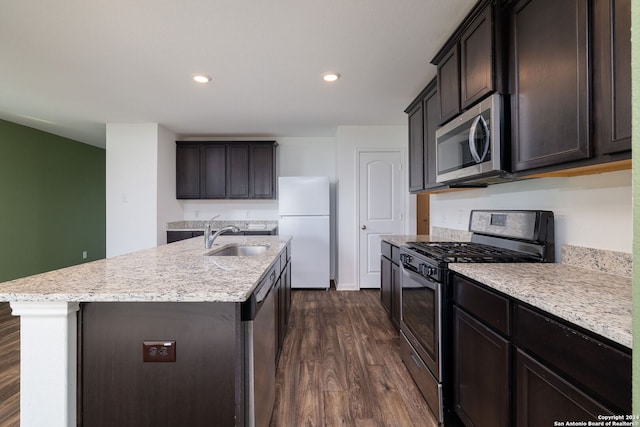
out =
column 421, row 318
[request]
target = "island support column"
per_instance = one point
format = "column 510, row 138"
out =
column 48, row 363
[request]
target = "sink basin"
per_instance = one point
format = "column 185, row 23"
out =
column 240, row 250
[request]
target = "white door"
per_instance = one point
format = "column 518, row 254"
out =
column 380, row 208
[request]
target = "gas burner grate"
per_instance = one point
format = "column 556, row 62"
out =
column 469, row 252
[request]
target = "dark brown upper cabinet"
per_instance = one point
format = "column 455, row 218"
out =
column 423, row 115
column 549, row 76
column 188, row 171
column 469, row 63
column 449, row 85
column 262, row 171
column 214, row 171
column 226, row 170
column 416, row 146
column 612, row 75
column 238, row 174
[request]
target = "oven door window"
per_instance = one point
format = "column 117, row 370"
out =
column 421, row 314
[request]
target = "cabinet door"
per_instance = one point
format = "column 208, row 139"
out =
column 543, row 397
column 549, row 73
column 476, row 60
column 416, row 147
column 396, row 296
column 481, row 373
column 187, row 171
column 238, row 171
column 612, row 75
column 449, row 85
column 431, row 118
column 385, row 284
column 262, row 171
column 214, row 171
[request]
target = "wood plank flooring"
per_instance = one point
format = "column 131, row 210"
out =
column 340, row 366
column 9, row 367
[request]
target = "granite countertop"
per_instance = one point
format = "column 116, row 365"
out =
column 248, row 225
column 596, row 301
column 171, row 273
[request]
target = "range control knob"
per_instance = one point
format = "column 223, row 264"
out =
column 431, row 271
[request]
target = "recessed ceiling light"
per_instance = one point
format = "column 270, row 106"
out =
column 202, row 78
column 330, row 76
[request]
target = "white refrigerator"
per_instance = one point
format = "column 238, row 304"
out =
column 303, row 207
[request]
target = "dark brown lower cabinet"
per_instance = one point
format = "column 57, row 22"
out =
column 385, row 283
column 396, row 296
column 516, row 365
column 481, row 373
column 202, row 387
column 543, row 397
column 390, row 286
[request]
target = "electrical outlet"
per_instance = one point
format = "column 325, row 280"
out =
column 85, row 255
column 158, row 351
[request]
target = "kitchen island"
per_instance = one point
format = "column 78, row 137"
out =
column 182, row 273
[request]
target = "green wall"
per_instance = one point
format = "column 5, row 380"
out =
column 52, row 201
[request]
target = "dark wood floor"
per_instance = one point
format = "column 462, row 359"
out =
column 9, row 367
column 340, row 366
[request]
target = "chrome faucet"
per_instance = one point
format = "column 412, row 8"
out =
column 209, row 238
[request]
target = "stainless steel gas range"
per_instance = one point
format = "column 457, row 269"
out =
column 497, row 236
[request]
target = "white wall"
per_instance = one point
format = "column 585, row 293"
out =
column 593, row 211
column 169, row 208
column 131, row 165
column 349, row 140
column 140, row 181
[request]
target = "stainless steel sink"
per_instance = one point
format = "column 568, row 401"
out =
column 239, row 250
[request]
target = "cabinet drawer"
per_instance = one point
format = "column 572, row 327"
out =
column 430, row 388
column 488, row 306
column 601, row 368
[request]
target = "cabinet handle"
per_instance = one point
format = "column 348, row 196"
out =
column 415, row 361
column 472, row 139
column 364, row 227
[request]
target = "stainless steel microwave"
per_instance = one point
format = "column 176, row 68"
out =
column 468, row 148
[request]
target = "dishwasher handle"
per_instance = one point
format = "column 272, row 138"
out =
column 266, row 287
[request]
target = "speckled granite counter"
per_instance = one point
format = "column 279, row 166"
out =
column 596, row 301
column 171, row 273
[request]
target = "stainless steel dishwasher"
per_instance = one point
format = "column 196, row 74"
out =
column 260, row 335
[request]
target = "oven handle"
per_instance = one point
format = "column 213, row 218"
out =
column 424, row 281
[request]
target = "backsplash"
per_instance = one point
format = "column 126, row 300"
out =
column 604, row 261
column 217, row 224
column 450, row 234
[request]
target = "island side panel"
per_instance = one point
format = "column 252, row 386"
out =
column 203, row 386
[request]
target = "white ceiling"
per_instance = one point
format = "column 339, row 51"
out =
column 70, row 66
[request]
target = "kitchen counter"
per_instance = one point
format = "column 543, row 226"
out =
column 179, row 272
column 596, row 301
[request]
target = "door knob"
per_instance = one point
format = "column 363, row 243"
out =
column 364, row 227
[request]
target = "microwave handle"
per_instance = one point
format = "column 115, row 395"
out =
column 472, row 134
